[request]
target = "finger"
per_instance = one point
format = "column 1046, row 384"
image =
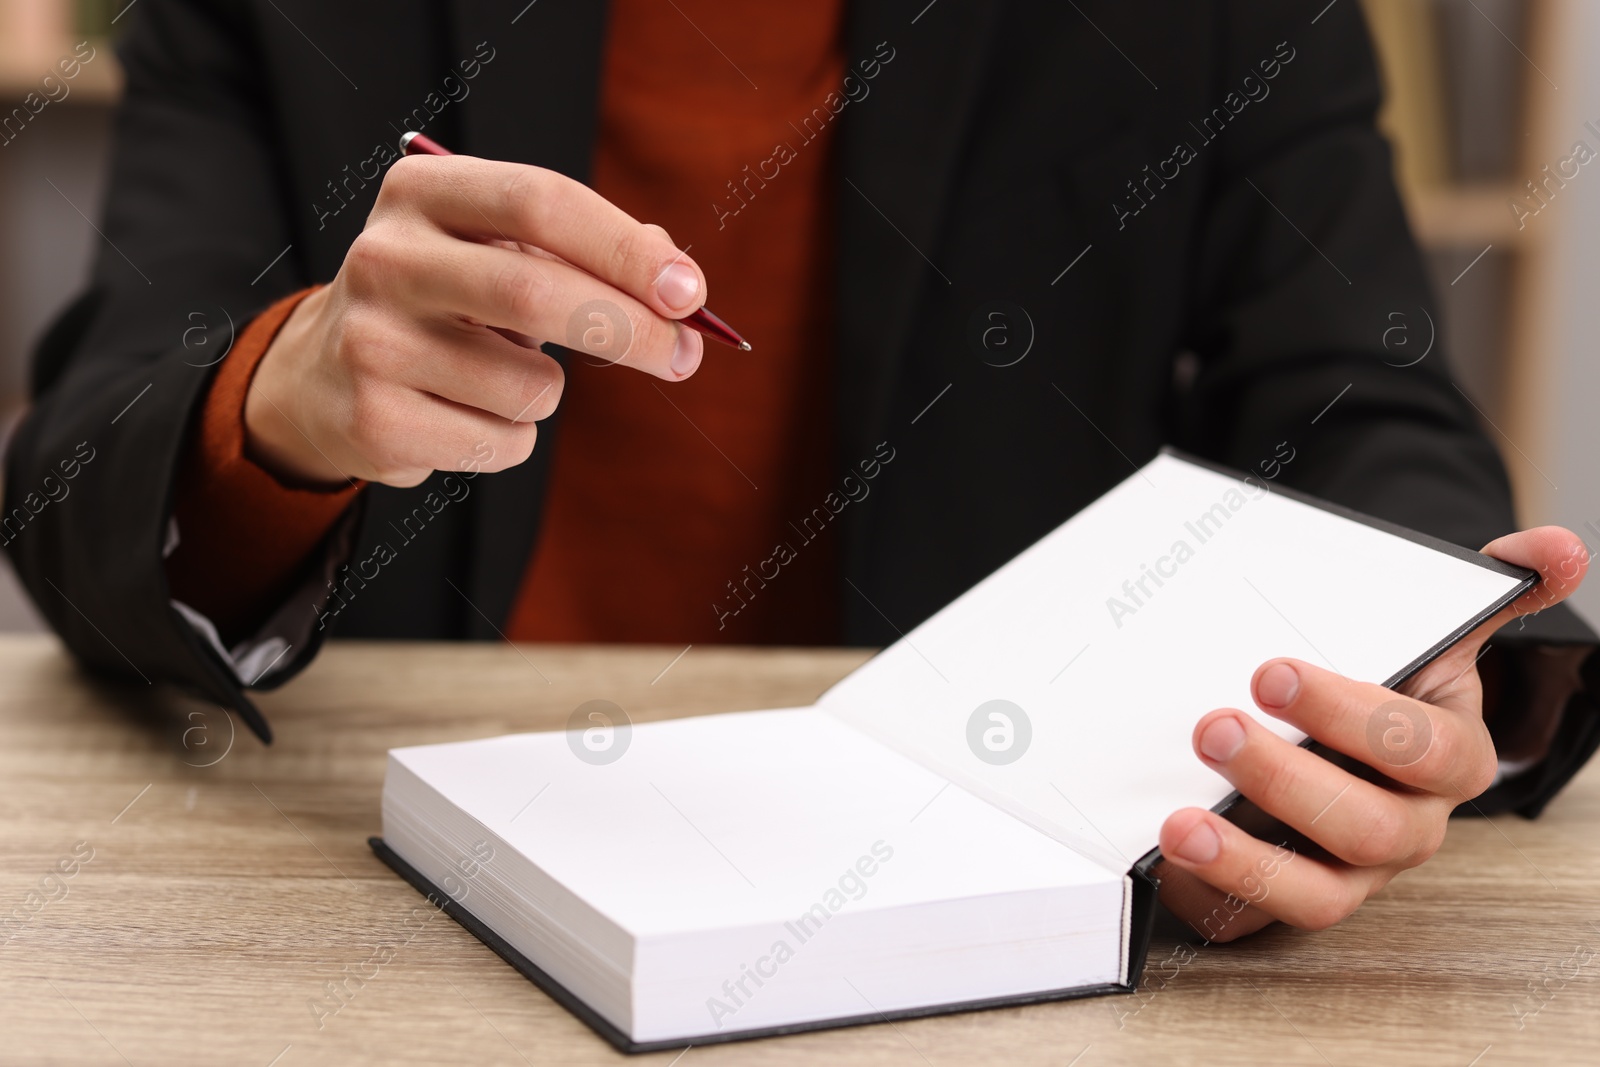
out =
column 1415, row 743
column 400, row 431
column 1560, row 557
column 1211, row 913
column 510, row 201
column 1452, row 680
column 1359, row 822
column 533, row 297
column 1292, row 888
column 483, row 371
column 1561, row 560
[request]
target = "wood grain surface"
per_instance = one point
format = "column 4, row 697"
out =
column 217, row 887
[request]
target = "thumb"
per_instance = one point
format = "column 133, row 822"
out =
column 1560, row 557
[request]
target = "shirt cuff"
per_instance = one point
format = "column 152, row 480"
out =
column 261, row 659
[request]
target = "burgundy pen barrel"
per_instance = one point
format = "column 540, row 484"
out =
column 420, row 144
column 710, row 325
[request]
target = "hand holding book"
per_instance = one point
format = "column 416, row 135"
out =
column 1426, row 739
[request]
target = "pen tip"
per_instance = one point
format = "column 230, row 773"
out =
column 406, row 139
column 744, row 346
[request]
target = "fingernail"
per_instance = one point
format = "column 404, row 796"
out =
column 1223, row 739
column 1200, row 846
column 1278, row 685
column 678, row 287
column 686, row 357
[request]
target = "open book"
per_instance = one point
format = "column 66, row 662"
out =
column 968, row 820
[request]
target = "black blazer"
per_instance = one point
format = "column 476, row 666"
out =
column 1184, row 208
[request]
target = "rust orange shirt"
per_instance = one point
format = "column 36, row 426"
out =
column 666, row 502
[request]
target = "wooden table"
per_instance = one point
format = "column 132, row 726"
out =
column 229, row 884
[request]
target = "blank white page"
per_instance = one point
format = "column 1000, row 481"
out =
column 727, row 821
column 1112, row 693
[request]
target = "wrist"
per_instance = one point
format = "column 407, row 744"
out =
column 277, row 430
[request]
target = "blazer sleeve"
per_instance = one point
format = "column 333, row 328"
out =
column 1306, row 265
column 194, row 242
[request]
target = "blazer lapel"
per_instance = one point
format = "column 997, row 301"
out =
column 536, row 101
column 898, row 156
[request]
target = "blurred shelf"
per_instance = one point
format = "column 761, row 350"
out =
column 1465, row 216
column 99, row 81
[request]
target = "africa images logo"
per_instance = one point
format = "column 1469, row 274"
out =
column 598, row 732
column 999, row 732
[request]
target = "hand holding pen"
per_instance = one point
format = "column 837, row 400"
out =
column 420, row 144
column 419, row 355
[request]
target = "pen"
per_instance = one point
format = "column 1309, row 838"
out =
column 414, row 143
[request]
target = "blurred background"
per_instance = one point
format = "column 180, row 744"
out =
column 1493, row 108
